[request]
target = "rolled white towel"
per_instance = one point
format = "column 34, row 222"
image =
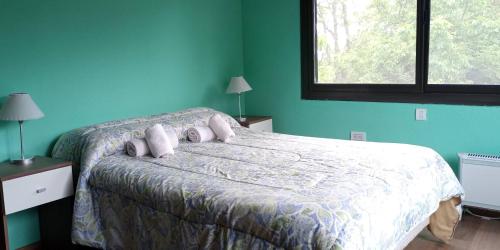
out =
column 158, row 141
column 221, row 128
column 200, row 134
column 137, row 147
column 172, row 137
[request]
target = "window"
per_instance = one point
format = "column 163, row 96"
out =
column 401, row 50
column 366, row 41
column 464, row 43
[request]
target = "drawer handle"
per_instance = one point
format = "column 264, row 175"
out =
column 41, row 190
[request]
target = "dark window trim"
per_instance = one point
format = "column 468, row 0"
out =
column 420, row 92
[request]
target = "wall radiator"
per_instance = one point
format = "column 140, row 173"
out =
column 480, row 177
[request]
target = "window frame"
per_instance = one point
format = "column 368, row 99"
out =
column 420, row 92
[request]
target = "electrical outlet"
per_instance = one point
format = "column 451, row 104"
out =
column 421, row 114
column 358, row 136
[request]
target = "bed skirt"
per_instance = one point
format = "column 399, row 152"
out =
column 443, row 222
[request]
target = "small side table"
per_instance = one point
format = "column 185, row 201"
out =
column 24, row 187
column 258, row 123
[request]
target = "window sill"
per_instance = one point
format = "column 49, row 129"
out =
column 424, row 98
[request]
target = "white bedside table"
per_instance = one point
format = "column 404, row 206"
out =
column 24, row 187
column 258, row 123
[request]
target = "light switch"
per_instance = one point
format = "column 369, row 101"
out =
column 421, row 114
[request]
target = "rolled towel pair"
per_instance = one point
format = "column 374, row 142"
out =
column 172, row 137
column 221, row 128
column 139, row 147
column 158, row 141
column 200, row 134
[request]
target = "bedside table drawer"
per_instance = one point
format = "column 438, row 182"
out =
column 263, row 126
column 33, row 190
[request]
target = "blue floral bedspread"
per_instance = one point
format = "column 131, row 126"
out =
column 259, row 191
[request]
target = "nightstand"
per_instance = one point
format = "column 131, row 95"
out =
column 258, row 123
column 24, row 187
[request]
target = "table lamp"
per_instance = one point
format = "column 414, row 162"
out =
column 20, row 107
column 238, row 85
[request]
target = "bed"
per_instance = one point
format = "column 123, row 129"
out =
column 258, row 191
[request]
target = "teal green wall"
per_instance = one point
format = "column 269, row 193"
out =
column 88, row 61
column 271, row 31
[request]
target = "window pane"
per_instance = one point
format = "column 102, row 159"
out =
column 464, row 45
column 366, row 41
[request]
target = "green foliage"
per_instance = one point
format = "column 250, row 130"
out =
column 377, row 43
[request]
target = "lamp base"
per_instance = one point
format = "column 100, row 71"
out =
column 242, row 119
column 23, row 162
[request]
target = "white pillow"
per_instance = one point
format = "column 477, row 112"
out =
column 221, row 128
column 158, row 141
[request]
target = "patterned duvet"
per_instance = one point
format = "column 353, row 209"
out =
column 259, row 191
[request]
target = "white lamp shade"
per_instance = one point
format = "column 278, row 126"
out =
column 238, row 85
column 20, row 107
